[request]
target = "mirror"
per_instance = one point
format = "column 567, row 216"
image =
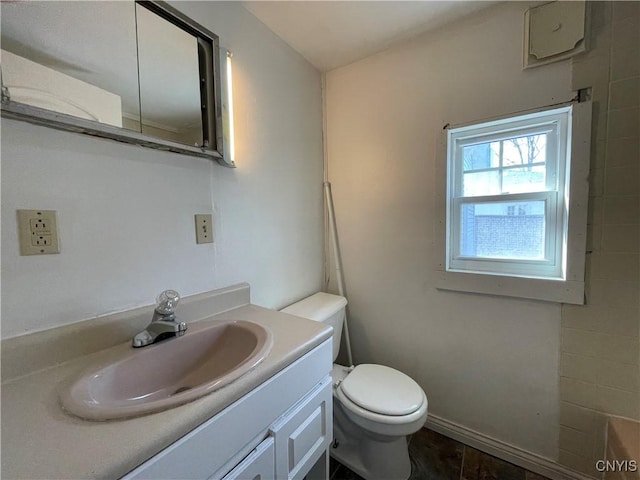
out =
column 169, row 80
column 53, row 57
column 139, row 72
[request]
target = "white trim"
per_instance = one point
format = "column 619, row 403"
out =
column 511, row 286
column 577, row 189
column 505, row 451
column 522, row 121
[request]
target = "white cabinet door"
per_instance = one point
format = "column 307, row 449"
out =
column 303, row 434
column 258, row 465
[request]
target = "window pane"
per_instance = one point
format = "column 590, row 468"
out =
column 484, row 155
column 481, row 183
column 524, row 179
column 524, row 150
column 513, row 230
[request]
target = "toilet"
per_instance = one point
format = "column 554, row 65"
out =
column 375, row 407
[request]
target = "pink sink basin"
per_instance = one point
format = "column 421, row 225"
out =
column 162, row 376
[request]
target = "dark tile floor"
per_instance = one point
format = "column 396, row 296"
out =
column 436, row 457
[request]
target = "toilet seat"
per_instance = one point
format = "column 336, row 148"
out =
column 382, row 390
column 388, row 426
column 379, row 422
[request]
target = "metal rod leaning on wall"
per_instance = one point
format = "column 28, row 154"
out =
column 338, row 264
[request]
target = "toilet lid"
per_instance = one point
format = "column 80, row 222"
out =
column 382, row 390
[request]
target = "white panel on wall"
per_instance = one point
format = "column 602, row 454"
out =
column 554, row 31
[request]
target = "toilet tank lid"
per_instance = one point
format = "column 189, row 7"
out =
column 318, row 307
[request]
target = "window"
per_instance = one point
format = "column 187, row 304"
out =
column 515, row 203
column 506, row 212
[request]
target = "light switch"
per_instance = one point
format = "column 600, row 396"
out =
column 38, row 232
column 204, row 228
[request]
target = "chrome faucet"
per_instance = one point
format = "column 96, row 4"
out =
column 163, row 323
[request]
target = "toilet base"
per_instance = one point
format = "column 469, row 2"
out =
column 370, row 458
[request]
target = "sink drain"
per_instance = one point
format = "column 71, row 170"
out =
column 181, row 389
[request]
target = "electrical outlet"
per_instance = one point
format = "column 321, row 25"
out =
column 40, row 225
column 38, row 232
column 41, row 240
column 204, row 228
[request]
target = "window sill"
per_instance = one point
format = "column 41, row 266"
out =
column 520, row 287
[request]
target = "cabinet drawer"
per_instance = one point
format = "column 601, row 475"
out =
column 304, row 432
column 258, row 465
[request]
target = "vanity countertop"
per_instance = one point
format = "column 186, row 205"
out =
column 41, row 441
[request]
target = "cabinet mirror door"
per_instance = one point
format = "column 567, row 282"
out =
column 139, row 72
column 67, row 57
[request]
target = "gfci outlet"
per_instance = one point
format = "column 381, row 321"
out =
column 38, row 232
column 204, row 228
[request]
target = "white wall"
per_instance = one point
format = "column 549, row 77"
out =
column 125, row 213
column 488, row 363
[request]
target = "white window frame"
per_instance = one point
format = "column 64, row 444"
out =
column 559, row 276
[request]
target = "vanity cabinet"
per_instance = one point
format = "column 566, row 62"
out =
column 280, row 430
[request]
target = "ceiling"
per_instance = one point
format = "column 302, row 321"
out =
column 330, row 34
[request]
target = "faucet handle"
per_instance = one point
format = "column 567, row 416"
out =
column 167, row 301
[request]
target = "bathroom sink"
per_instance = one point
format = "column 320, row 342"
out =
column 158, row 377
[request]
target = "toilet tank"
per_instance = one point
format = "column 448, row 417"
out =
column 322, row 307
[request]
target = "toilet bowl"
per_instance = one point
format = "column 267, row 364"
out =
column 375, row 407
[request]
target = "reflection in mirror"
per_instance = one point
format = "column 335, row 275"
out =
column 88, row 67
column 170, row 103
column 59, row 57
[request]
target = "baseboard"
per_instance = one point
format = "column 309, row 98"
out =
column 509, row 453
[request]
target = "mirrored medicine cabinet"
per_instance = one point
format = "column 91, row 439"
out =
column 139, row 72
